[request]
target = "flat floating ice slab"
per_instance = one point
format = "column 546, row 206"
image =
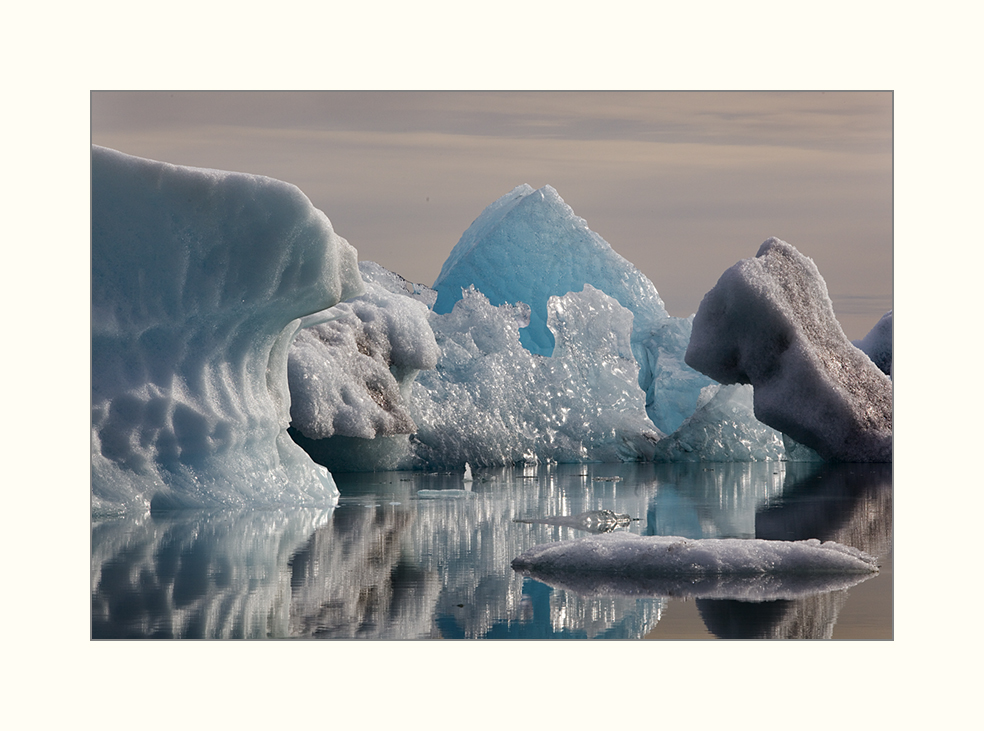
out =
column 758, row 588
column 627, row 554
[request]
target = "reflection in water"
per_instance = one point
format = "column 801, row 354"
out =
column 711, row 500
column 196, row 574
column 847, row 503
column 593, row 521
column 412, row 555
column 812, row 617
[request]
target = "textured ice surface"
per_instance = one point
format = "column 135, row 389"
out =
column 490, row 401
column 877, row 344
column 489, row 398
column 672, row 387
column 629, row 554
column 722, row 429
column 350, row 379
column 199, row 278
column 351, row 375
column 769, row 322
column 529, row 246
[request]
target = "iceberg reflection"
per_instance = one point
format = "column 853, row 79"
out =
column 848, row 503
column 196, row 574
column 389, row 563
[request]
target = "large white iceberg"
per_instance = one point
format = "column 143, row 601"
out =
column 769, row 322
column 529, row 246
column 199, row 281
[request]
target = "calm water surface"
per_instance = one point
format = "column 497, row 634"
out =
column 426, row 556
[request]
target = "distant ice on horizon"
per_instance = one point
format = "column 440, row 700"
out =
column 877, row 344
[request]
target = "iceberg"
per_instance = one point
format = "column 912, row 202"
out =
column 200, row 279
column 491, row 402
column 529, row 246
column 722, row 429
column 877, row 344
column 769, row 322
column 350, row 379
column 383, row 383
column 628, row 554
column 351, row 375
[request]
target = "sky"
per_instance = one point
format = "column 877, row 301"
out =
column 682, row 184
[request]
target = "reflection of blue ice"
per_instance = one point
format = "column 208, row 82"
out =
column 538, row 620
column 711, row 500
column 671, row 514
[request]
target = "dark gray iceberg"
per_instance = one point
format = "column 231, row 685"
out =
column 769, row 322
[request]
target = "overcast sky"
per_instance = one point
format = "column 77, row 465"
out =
column 682, row 184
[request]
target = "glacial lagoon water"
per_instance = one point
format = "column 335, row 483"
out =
column 411, row 555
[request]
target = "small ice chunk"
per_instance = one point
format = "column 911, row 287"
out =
column 593, row 521
column 757, row 588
